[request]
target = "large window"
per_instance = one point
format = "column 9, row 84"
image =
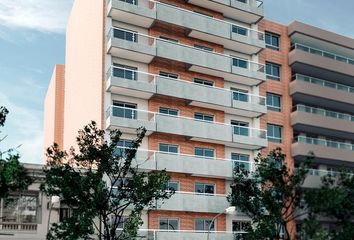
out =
column 204, row 152
column 205, row 188
column 242, row 63
column 22, row 208
column 124, row 110
column 124, row 71
column 125, row 35
column 209, row 49
column 273, row 102
column 170, row 224
column 240, row 161
column 273, row 71
column 274, row 133
column 240, row 95
column 169, row 39
column 173, row 185
column 240, row 228
column 135, row 2
column 168, row 75
column 204, row 117
column 204, row 225
column 168, row 111
column 122, row 145
column 239, row 30
column 240, row 128
column 272, row 41
column 169, row 148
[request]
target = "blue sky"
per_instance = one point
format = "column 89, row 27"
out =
column 32, row 40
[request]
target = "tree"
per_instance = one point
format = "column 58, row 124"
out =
column 99, row 184
column 270, row 196
column 13, row 176
column 334, row 200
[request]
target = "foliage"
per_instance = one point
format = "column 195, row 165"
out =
column 13, row 176
column 334, row 200
column 100, row 183
column 270, row 195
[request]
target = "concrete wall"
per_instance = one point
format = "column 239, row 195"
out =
column 83, row 73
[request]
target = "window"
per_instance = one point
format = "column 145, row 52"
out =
column 239, row 30
column 273, row 71
column 205, row 188
column 169, row 148
column 272, row 41
column 273, row 102
column 64, row 213
column 173, row 185
column 274, row 133
column 203, row 47
column 204, row 152
column 168, row 111
column 122, row 146
column 124, row 110
column 169, row 39
column 241, row 161
column 204, row 224
column 123, row 71
column 204, row 82
column 135, row 2
column 168, row 75
column 204, row 117
column 205, row 14
column 20, row 208
column 240, row 226
column 122, row 222
column 125, row 35
column 240, row 128
column 243, row 1
column 240, row 95
column 242, row 63
column 170, row 224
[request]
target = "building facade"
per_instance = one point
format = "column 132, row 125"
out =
column 214, row 84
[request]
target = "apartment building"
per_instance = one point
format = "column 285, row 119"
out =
column 214, row 84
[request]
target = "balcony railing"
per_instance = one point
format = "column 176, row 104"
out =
column 324, row 113
column 144, row 77
column 148, row 41
column 161, row 234
column 21, row 227
column 323, row 142
column 234, row 28
column 322, row 53
column 147, row 116
column 323, row 83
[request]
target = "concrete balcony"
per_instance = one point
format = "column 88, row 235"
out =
column 323, row 122
column 144, row 85
column 128, row 120
column 143, row 48
column 159, row 234
column 248, row 11
column 322, row 93
column 195, row 202
column 232, row 36
column 321, row 64
column 188, row 164
column 326, row 152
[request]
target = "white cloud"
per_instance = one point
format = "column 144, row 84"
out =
column 23, row 127
column 45, row 16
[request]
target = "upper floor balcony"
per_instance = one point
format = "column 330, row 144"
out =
column 248, row 11
column 189, row 164
column 139, row 47
column 160, row 234
column 323, row 122
column 200, row 26
column 326, row 151
column 322, row 93
column 321, row 64
column 135, row 83
column 129, row 119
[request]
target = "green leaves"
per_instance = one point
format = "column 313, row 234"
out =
column 100, row 183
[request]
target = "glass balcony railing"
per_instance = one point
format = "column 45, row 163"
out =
column 323, row 83
column 143, row 77
column 325, row 113
column 324, row 142
column 322, row 53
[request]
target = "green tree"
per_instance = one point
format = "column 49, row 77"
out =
column 99, row 183
column 13, row 176
column 334, row 200
column 270, row 196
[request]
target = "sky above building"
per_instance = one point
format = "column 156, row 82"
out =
column 32, row 41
